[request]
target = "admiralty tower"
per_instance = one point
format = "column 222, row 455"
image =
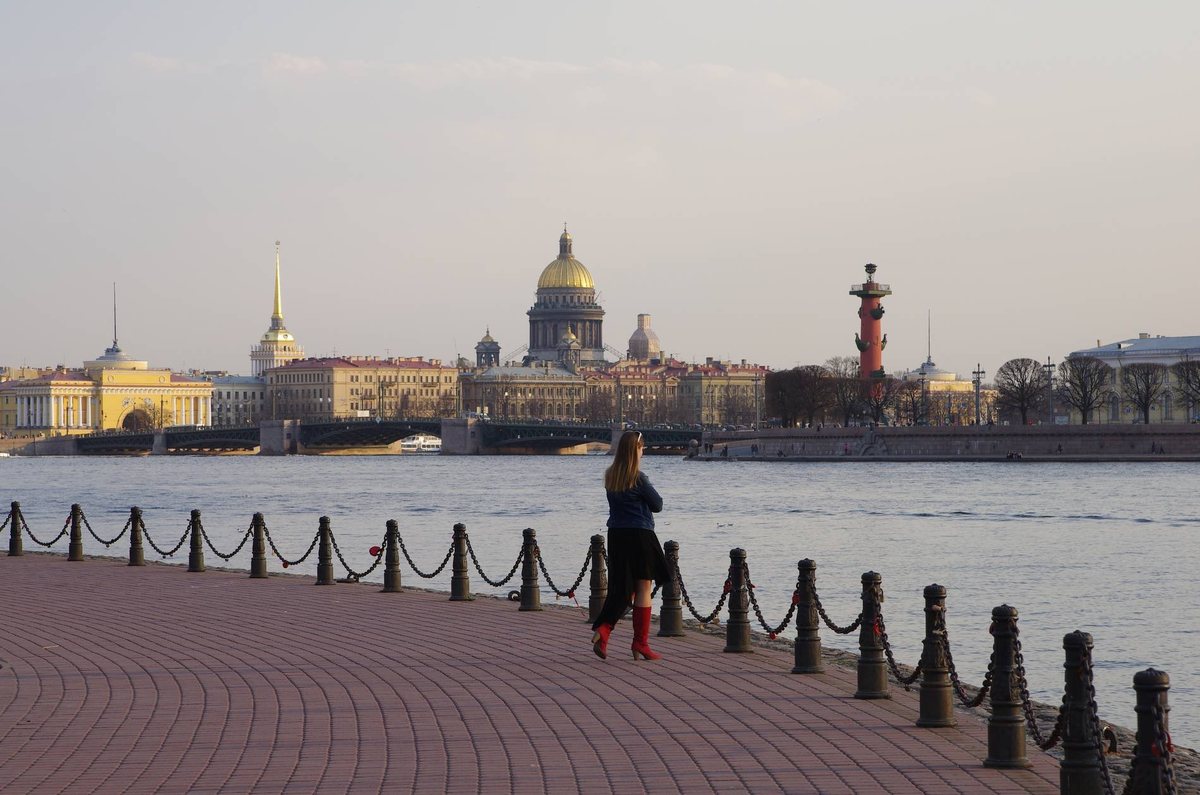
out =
column 566, row 301
column 276, row 347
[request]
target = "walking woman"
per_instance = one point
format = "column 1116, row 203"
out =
column 635, row 558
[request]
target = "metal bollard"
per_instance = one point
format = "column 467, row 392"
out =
column 1151, row 771
column 808, row 623
column 1079, row 771
column 196, row 550
column 15, row 533
column 324, row 554
column 1006, row 724
column 531, row 595
column 872, row 666
column 936, row 697
column 599, row 578
column 391, row 559
column 137, row 556
column 737, row 628
column 670, row 615
column 75, row 550
column 258, row 549
column 460, row 581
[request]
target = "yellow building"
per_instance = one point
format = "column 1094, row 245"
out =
column 111, row 392
column 940, row 397
column 361, row 386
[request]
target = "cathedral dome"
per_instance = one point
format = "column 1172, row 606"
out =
column 566, row 272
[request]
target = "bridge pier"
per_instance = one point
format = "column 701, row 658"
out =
column 461, row 437
column 279, row 437
column 159, row 447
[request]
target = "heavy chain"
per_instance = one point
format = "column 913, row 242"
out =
column 1043, row 742
column 825, row 616
column 772, row 631
column 284, row 560
column 413, row 566
column 587, row 561
column 219, row 554
column 881, row 630
column 959, row 691
column 488, row 580
column 358, row 575
column 7, row 519
column 1166, row 767
column 118, row 537
column 687, row 600
column 53, row 541
column 163, row 552
column 1089, row 680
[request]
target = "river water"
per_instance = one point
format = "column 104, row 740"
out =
column 1107, row 548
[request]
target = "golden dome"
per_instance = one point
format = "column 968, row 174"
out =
column 566, row 272
column 277, row 335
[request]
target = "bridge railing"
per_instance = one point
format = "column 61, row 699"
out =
column 1088, row 746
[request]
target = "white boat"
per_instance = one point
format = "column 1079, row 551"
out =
column 5, row 455
column 421, row 444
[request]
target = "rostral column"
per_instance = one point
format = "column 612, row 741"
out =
column 869, row 340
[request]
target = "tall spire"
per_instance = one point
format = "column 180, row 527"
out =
column 929, row 334
column 277, row 314
column 115, row 316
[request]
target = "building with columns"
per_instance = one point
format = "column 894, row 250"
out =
column 276, row 347
column 111, row 392
column 361, row 386
column 566, row 301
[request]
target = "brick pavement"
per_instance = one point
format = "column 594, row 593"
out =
column 121, row 679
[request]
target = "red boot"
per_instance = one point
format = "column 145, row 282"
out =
column 641, row 634
column 600, row 640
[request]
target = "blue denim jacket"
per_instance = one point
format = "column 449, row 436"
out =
column 634, row 508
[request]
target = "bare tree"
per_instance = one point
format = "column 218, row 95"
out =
column 781, row 389
column 1187, row 380
column 910, row 401
column 1144, row 384
column 1084, row 384
column 814, row 388
column 1020, row 386
column 845, row 394
column 879, row 396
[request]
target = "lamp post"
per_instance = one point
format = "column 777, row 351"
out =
column 1049, row 368
column 924, row 401
column 978, row 381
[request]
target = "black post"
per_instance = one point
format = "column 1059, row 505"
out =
column 258, row 549
column 15, row 523
column 1150, row 769
column 196, row 550
column 937, row 699
column 599, row 578
column 670, row 615
column 808, row 623
column 136, row 556
column 1006, row 724
column 324, row 554
column 872, row 667
column 531, row 595
column 391, row 561
column 737, row 628
column 75, row 550
column 1079, row 771
column 460, row 580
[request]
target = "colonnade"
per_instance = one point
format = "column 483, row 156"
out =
column 82, row 411
column 191, row 410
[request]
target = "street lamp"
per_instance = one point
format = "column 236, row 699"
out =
column 1049, row 368
column 978, row 381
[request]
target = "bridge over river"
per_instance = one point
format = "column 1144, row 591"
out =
column 459, row 437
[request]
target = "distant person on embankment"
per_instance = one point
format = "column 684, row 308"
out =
column 635, row 558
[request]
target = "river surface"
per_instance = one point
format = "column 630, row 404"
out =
column 1106, row 548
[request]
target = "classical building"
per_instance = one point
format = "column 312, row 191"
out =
column 723, row 392
column 276, row 347
column 110, row 392
column 487, row 351
column 1171, row 406
column 940, row 397
column 644, row 344
column 566, row 300
column 237, row 399
column 361, row 386
column 548, row 391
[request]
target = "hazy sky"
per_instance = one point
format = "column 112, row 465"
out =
column 1029, row 172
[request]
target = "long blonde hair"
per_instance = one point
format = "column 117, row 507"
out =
column 622, row 474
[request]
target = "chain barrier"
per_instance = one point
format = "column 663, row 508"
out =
column 163, row 552
column 881, row 630
column 435, row 572
column 787, row 619
column 284, row 560
column 222, row 556
column 825, row 616
column 488, row 580
column 1043, row 742
column 7, row 519
column 687, row 600
column 358, row 575
column 53, row 541
column 1089, row 676
column 959, row 691
column 570, row 592
column 1163, row 750
column 118, row 537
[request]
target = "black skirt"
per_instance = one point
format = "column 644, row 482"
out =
column 633, row 554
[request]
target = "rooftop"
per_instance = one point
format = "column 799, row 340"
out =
column 1147, row 345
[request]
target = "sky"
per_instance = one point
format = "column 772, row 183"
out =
column 1027, row 174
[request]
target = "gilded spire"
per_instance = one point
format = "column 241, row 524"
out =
column 278, row 313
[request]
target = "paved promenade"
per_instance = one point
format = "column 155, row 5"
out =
column 121, row 679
